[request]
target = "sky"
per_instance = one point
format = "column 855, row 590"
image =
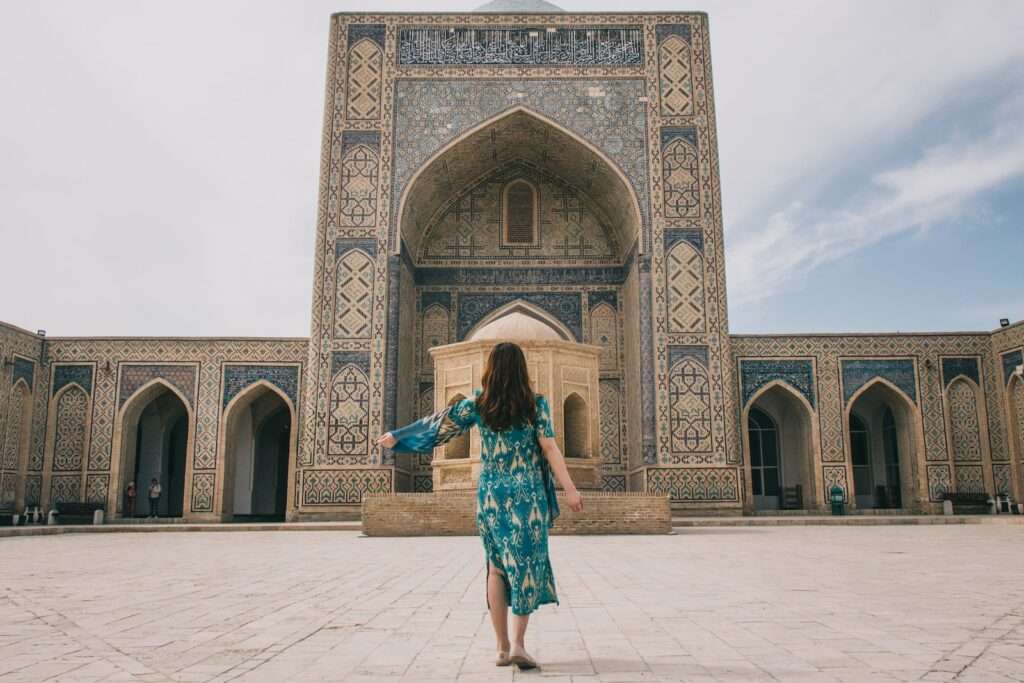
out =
column 159, row 162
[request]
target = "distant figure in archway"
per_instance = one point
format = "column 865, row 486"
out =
column 516, row 501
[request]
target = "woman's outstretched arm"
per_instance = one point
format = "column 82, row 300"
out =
column 554, row 456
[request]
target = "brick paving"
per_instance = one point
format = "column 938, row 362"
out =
column 746, row 604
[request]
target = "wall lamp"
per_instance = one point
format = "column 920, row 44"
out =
column 1004, row 322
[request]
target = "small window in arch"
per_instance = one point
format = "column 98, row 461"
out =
column 520, row 214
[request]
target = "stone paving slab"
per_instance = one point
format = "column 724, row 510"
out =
column 890, row 603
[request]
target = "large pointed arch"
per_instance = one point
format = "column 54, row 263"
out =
column 126, row 431
column 910, row 427
column 53, row 437
column 223, row 498
column 527, row 135
column 15, row 442
column 1014, row 394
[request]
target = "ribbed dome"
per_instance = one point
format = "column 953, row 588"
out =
column 519, row 7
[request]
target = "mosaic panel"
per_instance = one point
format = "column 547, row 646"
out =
column 604, row 332
column 689, row 407
column 676, row 68
column 8, row 488
column 33, row 489
column 23, row 369
column 341, row 487
column 96, row 486
column 1010, row 363
column 65, row 488
column 1002, row 478
column 602, row 296
column 521, row 45
column 564, row 306
column 134, row 377
column 613, row 483
column 68, row 374
column 203, row 487
column 835, row 475
column 964, row 422
column 353, row 307
column 436, row 328
column 1017, row 413
column 69, row 432
column 693, row 236
column 422, row 484
column 939, row 482
column 680, row 173
column 18, row 403
column 685, row 289
column 357, row 200
column 375, row 32
column 519, row 276
column 365, row 79
column 969, row 479
column 238, row 377
column 349, row 429
column 572, row 229
column 756, row 373
column 693, row 485
column 859, row 371
column 953, row 367
column 611, row 428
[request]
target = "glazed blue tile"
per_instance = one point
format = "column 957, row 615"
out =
column 898, row 371
column 755, row 374
column 66, row 374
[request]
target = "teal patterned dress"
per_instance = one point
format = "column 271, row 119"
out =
column 516, row 501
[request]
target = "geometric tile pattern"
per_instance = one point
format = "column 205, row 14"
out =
column 756, row 372
column 564, row 306
column 604, row 332
column 964, row 423
column 358, row 201
column 952, row 367
column 364, row 81
column 69, row 434
column 835, row 475
column 19, row 402
column 353, row 313
column 859, row 371
column 436, row 330
column 690, row 407
column 939, row 482
column 349, row 432
column 685, row 288
column 579, row 46
column 238, row 377
column 96, row 488
column 133, row 377
column 676, row 77
column 66, row 488
column 694, row 484
column 969, row 479
column 338, row 487
column 681, row 179
column 1002, row 478
column 611, row 442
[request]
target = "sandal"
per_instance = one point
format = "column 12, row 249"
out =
column 523, row 660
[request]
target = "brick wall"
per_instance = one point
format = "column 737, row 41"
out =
column 453, row 513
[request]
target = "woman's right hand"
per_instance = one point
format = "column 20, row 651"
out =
column 574, row 500
column 387, row 440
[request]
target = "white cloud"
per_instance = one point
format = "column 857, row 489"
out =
column 939, row 186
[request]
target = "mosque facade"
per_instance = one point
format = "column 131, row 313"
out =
column 524, row 173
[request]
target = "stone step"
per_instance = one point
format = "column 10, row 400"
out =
column 842, row 520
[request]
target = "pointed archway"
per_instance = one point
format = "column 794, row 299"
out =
column 259, row 433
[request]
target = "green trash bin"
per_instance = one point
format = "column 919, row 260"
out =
column 838, row 500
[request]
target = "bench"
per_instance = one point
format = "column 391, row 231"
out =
column 6, row 516
column 968, row 503
column 77, row 513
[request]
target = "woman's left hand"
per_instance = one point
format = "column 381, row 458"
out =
column 387, row 440
column 574, row 500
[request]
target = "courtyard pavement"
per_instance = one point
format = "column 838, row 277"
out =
column 747, row 604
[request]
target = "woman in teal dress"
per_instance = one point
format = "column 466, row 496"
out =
column 516, row 501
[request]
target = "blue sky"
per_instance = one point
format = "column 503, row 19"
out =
column 159, row 163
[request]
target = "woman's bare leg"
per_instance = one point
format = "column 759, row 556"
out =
column 498, row 606
column 519, row 624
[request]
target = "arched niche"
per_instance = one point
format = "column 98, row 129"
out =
column 524, row 136
column 519, row 320
column 577, row 419
column 15, row 445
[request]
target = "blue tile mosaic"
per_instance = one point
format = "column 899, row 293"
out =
column 23, row 369
column 663, row 31
column 428, row 299
column 343, row 246
column 521, row 276
column 798, row 374
column 695, row 236
column 670, row 134
column 532, row 46
column 361, row 359
column 238, row 377
column 565, row 306
column 367, row 138
column 898, row 371
column 953, row 367
column 429, row 113
column 677, row 353
column 67, row 374
column 375, row 32
column 596, row 298
column 1010, row 362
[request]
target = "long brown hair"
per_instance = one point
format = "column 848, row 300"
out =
column 507, row 399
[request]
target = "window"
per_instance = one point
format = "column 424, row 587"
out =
column 860, row 452
column 520, row 214
column 764, row 453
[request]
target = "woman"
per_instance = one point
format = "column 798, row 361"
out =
column 516, row 497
